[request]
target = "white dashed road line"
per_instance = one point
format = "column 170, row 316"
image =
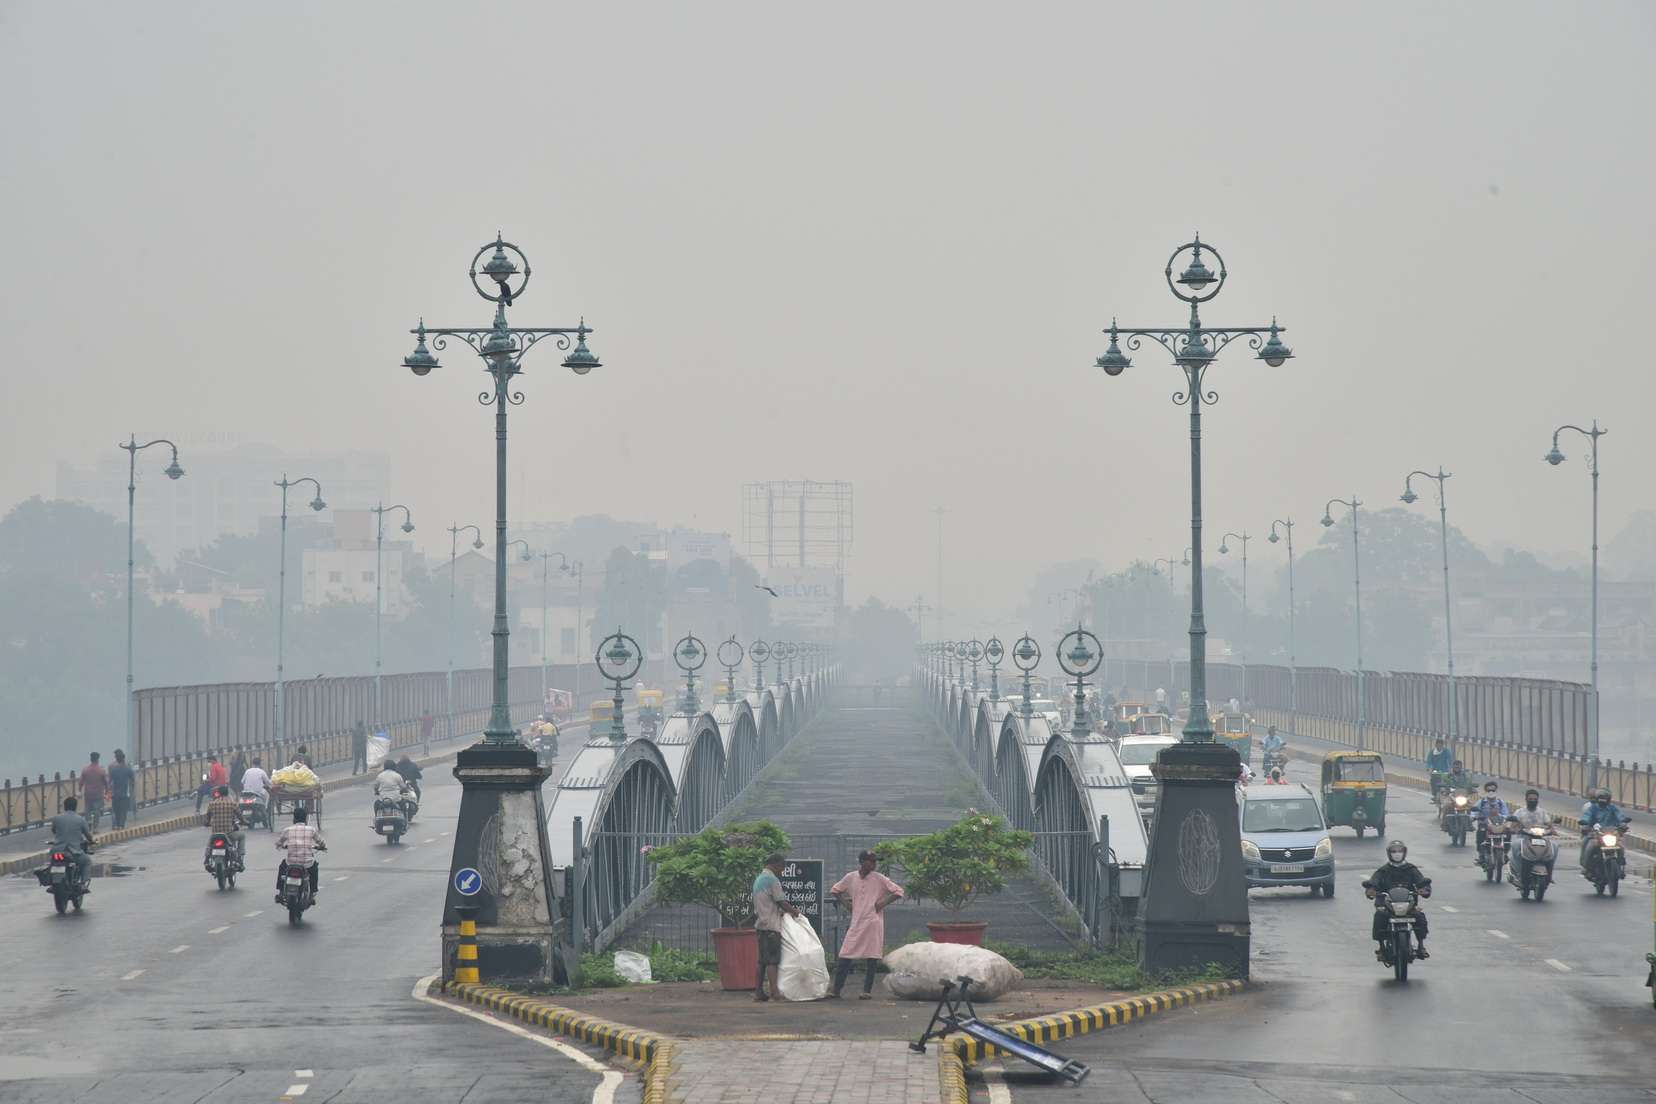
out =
column 393, row 858
column 180, row 949
column 342, row 877
column 132, row 975
column 255, row 912
column 304, row 1073
column 433, row 839
column 1449, row 908
column 218, row 931
column 296, row 1090
column 1497, row 933
column 1557, row 965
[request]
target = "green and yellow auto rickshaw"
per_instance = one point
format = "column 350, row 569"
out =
column 1235, row 731
column 1354, row 790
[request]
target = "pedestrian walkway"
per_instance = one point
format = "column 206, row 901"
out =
column 809, row 1072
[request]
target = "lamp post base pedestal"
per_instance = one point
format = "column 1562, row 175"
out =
column 1195, row 907
column 499, row 871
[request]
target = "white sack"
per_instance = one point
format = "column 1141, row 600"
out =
column 803, row 974
column 632, row 966
column 378, row 748
column 918, row 971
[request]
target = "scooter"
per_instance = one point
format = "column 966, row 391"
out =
column 1536, row 860
column 1605, row 865
column 1398, row 949
column 255, row 813
column 1455, row 818
column 223, row 860
column 390, row 818
column 61, row 877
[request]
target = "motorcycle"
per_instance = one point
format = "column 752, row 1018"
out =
column 391, row 818
column 1398, row 949
column 1455, row 818
column 254, row 812
column 1274, row 759
column 1536, row 860
column 1605, row 865
column 223, row 860
column 61, row 877
column 296, row 892
column 1493, row 852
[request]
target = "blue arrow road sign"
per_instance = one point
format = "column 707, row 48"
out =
column 467, row 881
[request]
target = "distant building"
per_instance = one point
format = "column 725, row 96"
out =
column 345, row 570
column 228, row 487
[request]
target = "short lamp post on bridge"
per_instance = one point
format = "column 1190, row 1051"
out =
column 1555, row 458
column 1080, row 655
column 1408, row 496
column 730, row 656
column 619, row 659
column 1026, row 656
column 690, row 654
column 994, row 652
column 317, row 505
column 1293, row 668
column 759, row 651
column 974, row 656
column 786, row 651
column 1195, row 907
column 1357, row 593
column 1224, row 549
column 454, row 556
column 379, row 596
column 501, row 811
column 919, row 609
column 172, row 471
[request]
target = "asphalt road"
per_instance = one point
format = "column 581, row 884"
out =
column 166, row 989
column 1522, row 1002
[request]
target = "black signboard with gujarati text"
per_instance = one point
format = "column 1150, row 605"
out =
column 802, row 886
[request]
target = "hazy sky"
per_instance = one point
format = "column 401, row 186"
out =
column 864, row 242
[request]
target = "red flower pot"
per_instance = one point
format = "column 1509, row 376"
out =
column 969, row 932
column 738, row 953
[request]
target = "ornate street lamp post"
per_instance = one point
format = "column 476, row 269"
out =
column 281, row 594
column 1555, row 458
column 1293, row 668
column 1357, row 591
column 173, row 471
column 379, row 590
column 690, row 654
column 1409, row 497
column 730, row 656
column 974, row 656
column 759, row 652
column 1224, row 549
column 1194, row 349
column 619, row 658
column 1026, row 656
column 454, row 552
column 994, row 652
column 501, row 812
column 920, row 609
column 1079, row 654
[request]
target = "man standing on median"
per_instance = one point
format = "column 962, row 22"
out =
column 868, row 892
column 768, row 906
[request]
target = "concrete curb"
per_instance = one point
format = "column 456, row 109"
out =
column 20, row 863
column 653, row 1052
column 1098, row 1017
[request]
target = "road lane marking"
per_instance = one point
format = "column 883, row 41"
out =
column 180, row 949
column 433, row 839
column 1497, row 933
column 342, row 878
column 255, row 912
column 604, row 1093
column 393, row 858
column 218, row 931
column 442, row 833
column 1450, row 908
column 296, row 1090
column 134, row 974
column 1557, row 965
column 304, row 1073
column 998, row 1092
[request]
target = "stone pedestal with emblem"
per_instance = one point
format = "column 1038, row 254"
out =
column 500, row 867
column 1195, row 906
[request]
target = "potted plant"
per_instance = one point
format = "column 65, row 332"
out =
column 955, row 866
column 715, row 868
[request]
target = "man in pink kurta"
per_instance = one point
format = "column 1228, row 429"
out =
column 868, row 892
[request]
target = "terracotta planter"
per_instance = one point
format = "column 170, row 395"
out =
column 738, row 953
column 969, row 932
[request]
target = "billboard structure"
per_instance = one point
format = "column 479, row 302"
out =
column 798, row 533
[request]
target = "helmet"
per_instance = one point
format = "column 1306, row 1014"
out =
column 1397, row 852
column 1603, row 797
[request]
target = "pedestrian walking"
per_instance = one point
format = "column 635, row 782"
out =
column 769, row 905
column 359, row 747
column 94, row 787
column 427, row 721
column 121, row 784
column 238, row 767
column 868, row 892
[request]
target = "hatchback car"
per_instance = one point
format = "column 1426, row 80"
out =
column 1285, row 839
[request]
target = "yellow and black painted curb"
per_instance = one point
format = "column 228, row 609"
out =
column 650, row 1051
column 1098, row 1017
column 951, row 1073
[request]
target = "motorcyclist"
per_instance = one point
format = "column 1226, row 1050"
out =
column 1489, row 810
column 1438, row 761
column 1399, row 873
column 1600, row 813
column 301, row 842
column 1273, row 743
column 1457, row 778
column 71, row 836
column 1530, row 816
column 411, row 773
column 392, row 786
column 223, row 818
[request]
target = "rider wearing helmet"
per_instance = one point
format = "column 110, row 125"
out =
column 1600, row 813
column 1399, row 873
column 1457, row 778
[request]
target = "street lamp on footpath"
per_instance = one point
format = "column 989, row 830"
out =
column 172, row 471
column 1408, row 496
column 1293, row 668
column 454, row 552
column 317, row 505
column 1555, row 458
column 1357, row 591
column 379, row 591
column 1224, row 549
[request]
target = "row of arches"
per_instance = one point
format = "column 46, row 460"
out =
column 1060, row 786
column 616, row 801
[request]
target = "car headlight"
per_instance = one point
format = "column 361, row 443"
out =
column 1608, row 839
column 1325, row 848
column 1250, row 850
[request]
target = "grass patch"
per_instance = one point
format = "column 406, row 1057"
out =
column 666, row 964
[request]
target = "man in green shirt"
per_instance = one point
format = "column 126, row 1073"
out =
column 769, row 905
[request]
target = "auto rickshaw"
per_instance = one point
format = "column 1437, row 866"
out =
column 1152, row 724
column 649, row 711
column 1354, row 790
column 1235, row 731
column 1121, row 716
